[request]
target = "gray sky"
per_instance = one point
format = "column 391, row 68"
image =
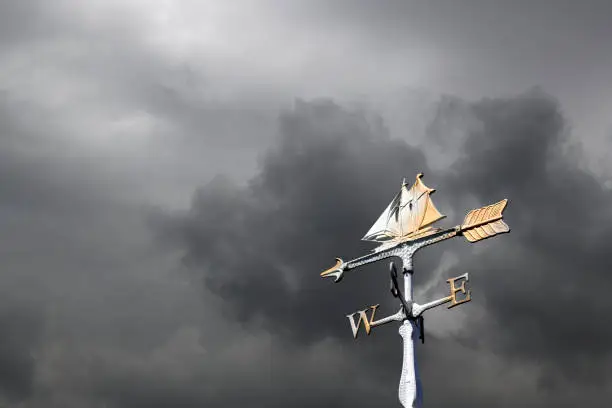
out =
column 175, row 175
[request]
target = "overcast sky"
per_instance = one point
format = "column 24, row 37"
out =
column 175, row 175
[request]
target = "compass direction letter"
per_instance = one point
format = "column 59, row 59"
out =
column 362, row 317
column 454, row 290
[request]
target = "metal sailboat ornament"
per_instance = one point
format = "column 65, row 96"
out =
column 404, row 227
column 408, row 216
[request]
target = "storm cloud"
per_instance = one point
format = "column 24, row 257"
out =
column 174, row 176
column 259, row 247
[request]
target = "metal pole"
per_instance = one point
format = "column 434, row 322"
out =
column 409, row 391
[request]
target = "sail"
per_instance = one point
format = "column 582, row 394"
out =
column 419, row 210
column 386, row 226
column 410, row 212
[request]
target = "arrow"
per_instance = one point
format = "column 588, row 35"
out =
column 480, row 223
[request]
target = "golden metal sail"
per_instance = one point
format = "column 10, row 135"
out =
column 408, row 216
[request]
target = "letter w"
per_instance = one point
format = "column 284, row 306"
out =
column 362, row 317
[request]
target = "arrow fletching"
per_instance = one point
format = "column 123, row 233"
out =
column 485, row 222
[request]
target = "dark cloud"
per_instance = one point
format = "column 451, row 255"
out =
column 263, row 246
column 546, row 286
column 81, row 285
column 108, row 107
column 260, row 247
column 21, row 334
column 121, row 332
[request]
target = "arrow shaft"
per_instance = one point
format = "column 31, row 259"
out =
column 404, row 250
column 374, row 257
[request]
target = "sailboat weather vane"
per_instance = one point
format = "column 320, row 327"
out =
column 403, row 228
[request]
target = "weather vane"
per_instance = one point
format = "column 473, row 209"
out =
column 403, row 228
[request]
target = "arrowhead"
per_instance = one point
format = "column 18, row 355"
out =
column 336, row 271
